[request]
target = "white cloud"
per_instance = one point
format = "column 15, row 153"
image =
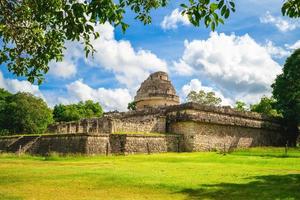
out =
column 294, row 46
column 110, row 99
column 196, row 85
column 281, row 24
column 275, row 51
column 236, row 66
column 130, row 66
column 68, row 67
column 64, row 69
column 174, row 19
column 14, row 86
column 182, row 68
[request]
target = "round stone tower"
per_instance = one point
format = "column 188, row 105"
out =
column 156, row 91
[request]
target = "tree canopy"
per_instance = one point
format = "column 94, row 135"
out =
column 266, row 106
column 34, row 32
column 23, row 113
column 77, row 111
column 240, row 106
column 204, row 98
column 131, row 106
column 286, row 91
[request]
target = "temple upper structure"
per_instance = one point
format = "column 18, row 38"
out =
column 156, row 91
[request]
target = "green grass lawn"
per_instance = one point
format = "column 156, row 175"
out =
column 244, row 174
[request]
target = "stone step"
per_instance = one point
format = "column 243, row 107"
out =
column 25, row 148
column 14, row 141
column 20, row 143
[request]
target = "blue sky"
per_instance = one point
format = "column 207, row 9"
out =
column 238, row 62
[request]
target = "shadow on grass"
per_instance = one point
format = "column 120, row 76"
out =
column 285, row 187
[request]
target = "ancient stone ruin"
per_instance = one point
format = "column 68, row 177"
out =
column 159, row 124
column 156, row 91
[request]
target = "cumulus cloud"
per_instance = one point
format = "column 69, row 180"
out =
column 64, row 69
column 174, row 19
column 14, row 86
column 182, row 68
column 196, row 85
column 130, row 66
column 294, row 46
column 110, row 99
column 275, row 51
column 236, row 65
column 68, row 67
column 280, row 23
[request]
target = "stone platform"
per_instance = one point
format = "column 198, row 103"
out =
column 187, row 127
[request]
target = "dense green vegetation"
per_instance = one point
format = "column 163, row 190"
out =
column 286, row 90
column 131, row 105
column 72, row 112
column 266, row 106
column 23, row 113
column 248, row 174
column 204, row 98
column 240, row 106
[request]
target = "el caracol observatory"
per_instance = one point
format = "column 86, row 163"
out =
column 189, row 127
column 156, row 91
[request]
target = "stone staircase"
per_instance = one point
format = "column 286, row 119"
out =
column 22, row 144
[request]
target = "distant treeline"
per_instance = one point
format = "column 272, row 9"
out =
column 24, row 113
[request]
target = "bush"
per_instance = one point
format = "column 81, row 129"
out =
column 78, row 111
column 24, row 113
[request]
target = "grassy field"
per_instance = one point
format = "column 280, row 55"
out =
column 244, row 174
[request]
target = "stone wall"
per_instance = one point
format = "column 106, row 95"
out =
column 101, row 125
column 198, row 136
column 138, row 124
column 210, row 128
column 97, row 144
column 130, row 144
column 6, row 141
column 114, row 123
column 72, row 144
column 227, row 119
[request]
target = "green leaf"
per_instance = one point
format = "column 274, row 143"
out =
column 213, row 7
column 213, row 26
column 227, row 13
column 184, row 6
column 221, row 3
column 223, row 11
column 221, row 20
column 207, row 20
column 216, row 17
